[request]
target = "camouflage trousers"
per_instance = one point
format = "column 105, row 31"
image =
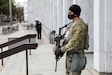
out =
column 73, row 73
column 68, row 64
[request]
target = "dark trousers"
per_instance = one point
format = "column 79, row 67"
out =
column 39, row 34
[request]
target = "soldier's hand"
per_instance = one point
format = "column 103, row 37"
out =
column 64, row 42
column 59, row 53
column 62, row 37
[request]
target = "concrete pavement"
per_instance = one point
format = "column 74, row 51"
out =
column 41, row 61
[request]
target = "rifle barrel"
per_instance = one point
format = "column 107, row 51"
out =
column 56, row 66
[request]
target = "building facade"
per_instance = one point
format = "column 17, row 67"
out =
column 96, row 13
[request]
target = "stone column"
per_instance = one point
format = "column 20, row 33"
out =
column 59, row 13
column 108, row 36
column 46, row 14
column 64, row 13
column 102, row 36
column 54, row 14
column 30, row 12
column 99, row 36
column 68, row 3
column 35, row 10
column 51, row 14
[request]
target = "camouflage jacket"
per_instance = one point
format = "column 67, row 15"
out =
column 76, row 37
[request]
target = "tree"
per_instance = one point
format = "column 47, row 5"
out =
column 4, row 7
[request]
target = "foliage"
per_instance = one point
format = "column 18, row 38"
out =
column 4, row 7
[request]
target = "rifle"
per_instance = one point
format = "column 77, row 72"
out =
column 57, row 39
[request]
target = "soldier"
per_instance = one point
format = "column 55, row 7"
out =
column 38, row 29
column 76, row 37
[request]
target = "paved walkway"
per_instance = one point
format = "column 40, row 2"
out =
column 41, row 61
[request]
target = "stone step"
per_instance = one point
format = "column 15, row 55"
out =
column 14, row 64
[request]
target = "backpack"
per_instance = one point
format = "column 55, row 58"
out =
column 86, row 42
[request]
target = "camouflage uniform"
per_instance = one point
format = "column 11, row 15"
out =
column 77, row 31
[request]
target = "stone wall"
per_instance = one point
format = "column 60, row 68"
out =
column 35, row 10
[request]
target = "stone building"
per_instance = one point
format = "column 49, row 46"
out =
column 96, row 13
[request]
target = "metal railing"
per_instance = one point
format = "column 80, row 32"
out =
column 17, row 49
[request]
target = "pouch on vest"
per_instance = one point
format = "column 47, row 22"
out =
column 86, row 42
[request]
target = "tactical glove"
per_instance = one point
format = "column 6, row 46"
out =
column 59, row 53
